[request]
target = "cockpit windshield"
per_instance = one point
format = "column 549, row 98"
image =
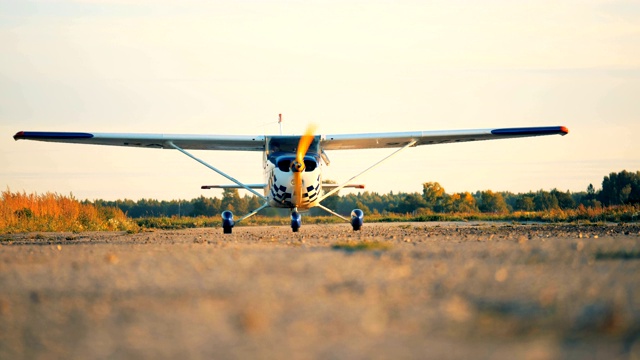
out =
column 289, row 144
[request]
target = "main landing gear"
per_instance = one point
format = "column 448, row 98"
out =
column 357, row 216
column 357, row 220
column 227, row 221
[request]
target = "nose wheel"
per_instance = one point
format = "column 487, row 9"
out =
column 296, row 221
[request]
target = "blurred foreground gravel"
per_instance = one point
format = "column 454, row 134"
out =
column 440, row 290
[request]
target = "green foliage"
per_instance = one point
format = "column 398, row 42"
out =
column 461, row 203
column 178, row 222
column 361, row 245
column 491, row 202
column 620, row 188
column 565, row 201
column 617, row 255
column 545, row 201
column 524, row 203
column 434, row 196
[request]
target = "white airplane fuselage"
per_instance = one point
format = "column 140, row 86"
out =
column 280, row 182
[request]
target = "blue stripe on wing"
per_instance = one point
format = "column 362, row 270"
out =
column 48, row 135
column 545, row 130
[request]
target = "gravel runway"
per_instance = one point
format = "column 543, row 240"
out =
column 432, row 290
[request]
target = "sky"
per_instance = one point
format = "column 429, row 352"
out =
column 230, row 67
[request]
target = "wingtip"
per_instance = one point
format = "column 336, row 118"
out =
column 19, row 135
column 564, row 130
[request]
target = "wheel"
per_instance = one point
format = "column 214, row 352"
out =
column 357, row 219
column 296, row 221
column 227, row 222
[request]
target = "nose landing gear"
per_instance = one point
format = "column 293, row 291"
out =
column 296, row 221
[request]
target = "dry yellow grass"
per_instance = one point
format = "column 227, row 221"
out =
column 22, row 212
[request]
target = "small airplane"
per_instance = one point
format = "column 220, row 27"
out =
column 292, row 164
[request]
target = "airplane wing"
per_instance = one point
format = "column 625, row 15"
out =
column 327, row 186
column 399, row 139
column 233, row 186
column 158, row 141
column 257, row 143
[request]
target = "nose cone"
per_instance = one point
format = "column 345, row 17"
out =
column 297, row 167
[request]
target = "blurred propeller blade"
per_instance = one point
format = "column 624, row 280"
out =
column 298, row 166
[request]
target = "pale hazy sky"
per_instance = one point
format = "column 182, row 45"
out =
column 229, row 67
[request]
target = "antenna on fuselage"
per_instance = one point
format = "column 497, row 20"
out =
column 280, row 122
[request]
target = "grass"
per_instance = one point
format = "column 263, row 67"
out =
column 366, row 245
column 50, row 212
column 617, row 255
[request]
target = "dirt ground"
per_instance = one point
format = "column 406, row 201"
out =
column 439, row 290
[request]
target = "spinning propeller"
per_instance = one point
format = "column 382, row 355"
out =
column 297, row 166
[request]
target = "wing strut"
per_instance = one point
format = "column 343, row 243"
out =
column 411, row 143
column 332, row 212
column 253, row 212
column 218, row 171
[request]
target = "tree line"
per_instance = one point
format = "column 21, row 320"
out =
column 617, row 189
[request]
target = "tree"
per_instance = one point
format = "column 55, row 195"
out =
column 231, row 201
column 565, row 201
column 253, row 203
column 525, row 202
column 491, row 202
column 365, row 209
column 203, row 206
column 545, row 201
column 433, row 195
column 331, row 202
column 411, row 202
column 620, row 188
column 461, row 202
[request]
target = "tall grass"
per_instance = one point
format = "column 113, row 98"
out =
column 21, row 212
column 617, row 213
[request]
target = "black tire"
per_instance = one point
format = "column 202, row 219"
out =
column 227, row 230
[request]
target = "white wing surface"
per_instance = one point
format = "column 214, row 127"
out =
column 399, row 139
column 158, row 141
column 257, row 143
